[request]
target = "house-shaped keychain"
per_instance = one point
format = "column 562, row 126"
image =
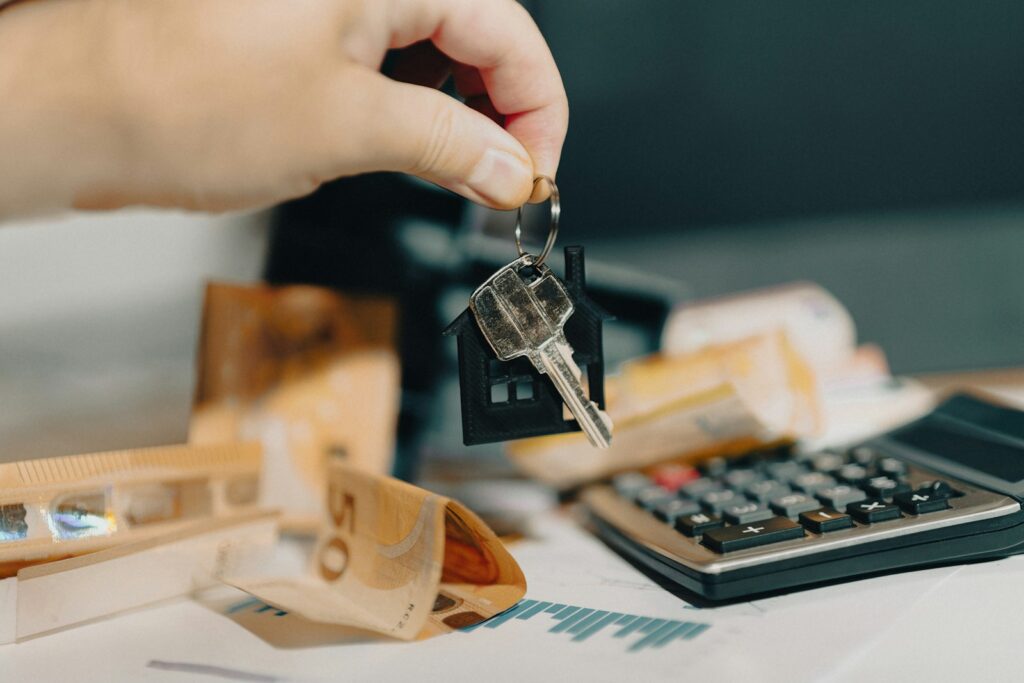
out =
column 511, row 400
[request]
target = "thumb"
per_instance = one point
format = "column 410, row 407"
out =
column 422, row 131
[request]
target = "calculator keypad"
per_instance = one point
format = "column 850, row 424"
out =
column 764, row 498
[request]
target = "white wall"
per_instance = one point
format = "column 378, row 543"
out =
column 98, row 321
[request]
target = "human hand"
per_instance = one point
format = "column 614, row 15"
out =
column 225, row 104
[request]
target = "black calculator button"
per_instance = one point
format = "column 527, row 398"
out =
column 885, row 487
column 746, row 512
column 792, row 504
column 697, row 523
column 771, row 530
column 698, row 488
column 920, row 501
column 828, row 462
column 853, row 473
column 652, row 496
column 871, row 511
column 812, row 481
column 715, row 501
column 763, row 491
column 672, row 509
column 825, row 520
column 940, row 489
column 840, row 496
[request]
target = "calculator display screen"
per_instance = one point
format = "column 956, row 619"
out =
column 992, row 456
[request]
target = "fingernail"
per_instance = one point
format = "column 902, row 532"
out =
column 500, row 177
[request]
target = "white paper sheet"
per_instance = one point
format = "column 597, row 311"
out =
column 227, row 636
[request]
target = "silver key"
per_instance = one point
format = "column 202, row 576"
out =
column 520, row 319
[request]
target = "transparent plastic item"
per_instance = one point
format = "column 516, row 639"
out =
column 59, row 507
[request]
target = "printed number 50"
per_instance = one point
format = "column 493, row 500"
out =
column 334, row 554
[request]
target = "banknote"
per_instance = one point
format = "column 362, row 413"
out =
column 722, row 399
column 60, row 507
column 310, row 373
column 396, row 559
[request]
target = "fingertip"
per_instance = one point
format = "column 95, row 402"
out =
column 504, row 180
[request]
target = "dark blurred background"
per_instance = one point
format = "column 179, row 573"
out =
column 710, row 113
column 876, row 148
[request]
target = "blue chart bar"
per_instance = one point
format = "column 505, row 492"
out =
column 257, row 605
column 584, row 622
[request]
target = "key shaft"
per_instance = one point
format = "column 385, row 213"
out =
column 555, row 360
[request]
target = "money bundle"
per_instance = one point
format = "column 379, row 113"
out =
column 723, row 399
column 398, row 560
column 310, row 373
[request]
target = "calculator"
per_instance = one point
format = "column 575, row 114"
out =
column 945, row 488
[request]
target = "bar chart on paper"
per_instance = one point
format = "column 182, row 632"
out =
column 582, row 623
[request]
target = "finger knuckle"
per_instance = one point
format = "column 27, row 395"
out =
column 437, row 148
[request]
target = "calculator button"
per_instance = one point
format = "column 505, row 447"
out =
column 863, row 455
column 853, row 473
column 771, row 530
column 785, row 472
column 698, row 488
column 651, row 497
column 825, row 520
column 940, row 489
column 840, row 496
column 763, row 491
column 828, row 462
column 715, row 501
column 891, row 467
column 741, row 478
column 697, row 523
column 746, row 512
column 885, row 487
column 920, row 501
column 671, row 509
column 871, row 511
column 793, row 504
column 714, row 467
column 671, row 477
column 629, row 484
column 812, row 481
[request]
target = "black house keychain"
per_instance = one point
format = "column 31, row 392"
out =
column 519, row 376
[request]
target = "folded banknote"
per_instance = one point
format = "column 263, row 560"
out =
column 397, row 560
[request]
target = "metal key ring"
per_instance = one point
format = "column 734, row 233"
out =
column 556, row 209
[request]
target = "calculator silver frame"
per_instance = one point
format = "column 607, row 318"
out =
column 975, row 505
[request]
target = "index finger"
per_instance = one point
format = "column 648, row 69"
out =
column 501, row 40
